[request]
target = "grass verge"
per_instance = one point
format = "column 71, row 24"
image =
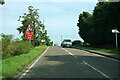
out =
column 12, row 66
column 115, row 51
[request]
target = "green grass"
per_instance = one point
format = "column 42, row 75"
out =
column 14, row 65
column 115, row 51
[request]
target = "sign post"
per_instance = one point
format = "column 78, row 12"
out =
column 116, row 32
column 29, row 43
column 29, row 33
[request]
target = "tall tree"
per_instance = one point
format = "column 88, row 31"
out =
column 105, row 19
column 96, row 28
column 85, row 24
column 31, row 17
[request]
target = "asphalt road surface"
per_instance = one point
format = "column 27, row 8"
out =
column 58, row 62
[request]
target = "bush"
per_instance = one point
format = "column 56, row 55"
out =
column 16, row 48
column 6, row 40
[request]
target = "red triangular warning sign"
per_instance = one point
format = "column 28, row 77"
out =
column 29, row 32
column 29, row 28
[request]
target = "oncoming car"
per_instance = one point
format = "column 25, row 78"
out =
column 76, row 42
column 66, row 43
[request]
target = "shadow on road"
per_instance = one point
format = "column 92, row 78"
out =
column 66, row 66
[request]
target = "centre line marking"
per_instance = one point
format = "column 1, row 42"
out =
column 33, row 64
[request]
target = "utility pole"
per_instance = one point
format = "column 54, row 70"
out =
column 61, row 38
column 43, row 22
column 116, row 39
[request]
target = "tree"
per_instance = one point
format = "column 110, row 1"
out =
column 2, row 2
column 85, row 24
column 33, row 18
column 105, row 19
column 96, row 28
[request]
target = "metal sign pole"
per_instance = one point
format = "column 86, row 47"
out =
column 29, row 43
column 115, row 31
column 116, row 40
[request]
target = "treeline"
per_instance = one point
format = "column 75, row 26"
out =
column 96, row 28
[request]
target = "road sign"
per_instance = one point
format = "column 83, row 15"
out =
column 115, row 31
column 29, row 32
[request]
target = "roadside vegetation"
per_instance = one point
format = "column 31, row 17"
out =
column 14, row 65
column 96, row 28
column 13, row 47
column 113, row 50
column 16, row 54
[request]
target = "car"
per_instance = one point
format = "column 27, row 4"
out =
column 66, row 43
column 76, row 42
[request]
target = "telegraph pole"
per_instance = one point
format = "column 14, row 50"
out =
column 43, row 22
column 61, row 38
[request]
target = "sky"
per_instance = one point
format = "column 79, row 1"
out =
column 60, row 18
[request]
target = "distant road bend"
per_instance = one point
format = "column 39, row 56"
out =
column 58, row 62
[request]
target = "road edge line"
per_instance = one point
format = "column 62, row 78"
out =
column 90, row 66
column 106, row 56
column 26, row 71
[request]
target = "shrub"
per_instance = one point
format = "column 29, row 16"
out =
column 6, row 40
column 16, row 48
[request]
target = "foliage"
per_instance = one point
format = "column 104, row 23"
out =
column 12, row 66
column 114, row 51
column 39, row 32
column 17, row 39
column 11, row 47
column 2, row 2
column 86, row 29
column 96, row 28
column 6, row 40
column 49, row 43
column 17, row 48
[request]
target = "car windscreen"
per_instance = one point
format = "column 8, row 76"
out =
column 67, row 40
column 77, row 41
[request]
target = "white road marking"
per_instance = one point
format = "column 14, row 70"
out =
column 104, row 56
column 33, row 64
column 96, row 70
column 90, row 66
column 109, row 58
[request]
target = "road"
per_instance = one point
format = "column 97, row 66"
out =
column 58, row 62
